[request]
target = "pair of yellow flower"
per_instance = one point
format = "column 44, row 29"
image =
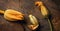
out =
column 13, row 15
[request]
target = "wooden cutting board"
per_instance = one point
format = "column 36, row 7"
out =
column 27, row 7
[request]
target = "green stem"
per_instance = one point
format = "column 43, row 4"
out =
column 50, row 24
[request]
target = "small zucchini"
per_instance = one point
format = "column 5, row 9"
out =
column 34, row 22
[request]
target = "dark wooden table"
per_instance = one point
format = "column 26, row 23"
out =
column 27, row 7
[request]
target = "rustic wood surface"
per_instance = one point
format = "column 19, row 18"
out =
column 27, row 7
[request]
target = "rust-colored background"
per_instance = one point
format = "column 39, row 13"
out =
column 27, row 7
